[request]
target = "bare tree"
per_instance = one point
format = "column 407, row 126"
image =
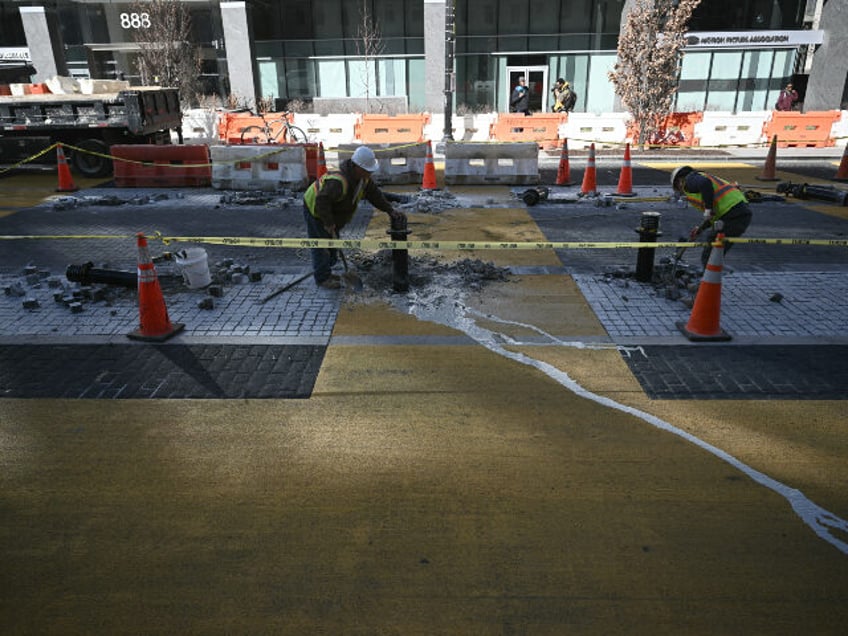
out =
column 369, row 45
column 167, row 56
column 650, row 51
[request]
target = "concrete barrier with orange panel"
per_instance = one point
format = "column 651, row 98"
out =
column 541, row 128
column 802, row 130
column 169, row 166
column 731, row 129
column 381, row 129
column 491, row 163
column 398, row 163
column 253, row 167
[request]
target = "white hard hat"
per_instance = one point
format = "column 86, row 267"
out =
column 682, row 171
column 364, row 158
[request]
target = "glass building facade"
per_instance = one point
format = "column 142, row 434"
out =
column 304, row 49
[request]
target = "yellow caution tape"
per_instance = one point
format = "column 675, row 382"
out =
column 378, row 244
column 37, row 155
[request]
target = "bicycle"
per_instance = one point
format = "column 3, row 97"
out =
column 278, row 130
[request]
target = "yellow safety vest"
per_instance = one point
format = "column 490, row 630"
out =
column 312, row 191
column 726, row 195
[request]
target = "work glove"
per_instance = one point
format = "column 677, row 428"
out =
column 708, row 214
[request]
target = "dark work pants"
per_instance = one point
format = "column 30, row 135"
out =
column 323, row 258
column 736, row 221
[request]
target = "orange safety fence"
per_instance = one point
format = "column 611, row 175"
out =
column 150, row 165
column 231, row 125
column 378, row 129
column 802, row 130
column 542, row 128
column 678, row 129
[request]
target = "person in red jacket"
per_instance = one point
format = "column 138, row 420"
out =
column 787, row 98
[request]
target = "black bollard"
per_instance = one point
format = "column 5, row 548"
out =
column 648, row 232
column 400, row 258
column 87, row 274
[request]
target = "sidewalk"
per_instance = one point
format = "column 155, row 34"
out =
column 783, row 304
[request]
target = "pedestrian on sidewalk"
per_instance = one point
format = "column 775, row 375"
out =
column 718, row 200
column 330, row 203
column 519, row 101
column 787, row 98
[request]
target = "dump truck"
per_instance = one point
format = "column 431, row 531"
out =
column 90, row 122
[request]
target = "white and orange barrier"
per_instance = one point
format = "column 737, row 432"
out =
column 491, row 163
column 259, row 167
column 721, row 128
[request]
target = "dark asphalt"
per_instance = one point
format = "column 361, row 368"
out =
column 765, row 372
column 173, row 371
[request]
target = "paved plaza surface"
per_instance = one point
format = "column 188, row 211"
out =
column 524, row 442
column 809, row 281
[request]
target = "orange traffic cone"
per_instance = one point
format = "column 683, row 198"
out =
column 154, row 324
column 842, row 172
column 322, row 161
column 625, row 180
column 564, row 171
column 66, row 182
column 769, row 167
column 705, row 321
column 590, row 185
column 429, row 180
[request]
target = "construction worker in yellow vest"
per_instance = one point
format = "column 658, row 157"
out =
column 723, row 205
column 330, row 203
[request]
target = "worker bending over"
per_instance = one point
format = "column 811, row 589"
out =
column 330, row 203
column 718, row 200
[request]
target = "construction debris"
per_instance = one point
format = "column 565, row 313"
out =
column 110, row 200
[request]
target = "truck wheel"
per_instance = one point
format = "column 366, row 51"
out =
column 91, row 160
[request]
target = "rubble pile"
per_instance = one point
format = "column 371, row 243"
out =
column 36, row 287
column 110, row 200
column 672, row 278
column 428, row 202
column 276, row 199
column 376, row 272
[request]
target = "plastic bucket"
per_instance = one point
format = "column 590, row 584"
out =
column 194, row 267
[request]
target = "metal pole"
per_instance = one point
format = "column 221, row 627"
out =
column 400, row 258
column 648, row 232
column 450, row 76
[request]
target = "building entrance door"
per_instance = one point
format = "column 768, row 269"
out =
column 536, row 81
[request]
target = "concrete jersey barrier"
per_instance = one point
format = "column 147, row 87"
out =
column 259, row 167
column 488, row 163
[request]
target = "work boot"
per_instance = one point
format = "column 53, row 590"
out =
column 333, row 281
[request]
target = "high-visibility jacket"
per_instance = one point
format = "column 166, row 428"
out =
column 726, row 195
column 343, row 207
column 336, row 204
